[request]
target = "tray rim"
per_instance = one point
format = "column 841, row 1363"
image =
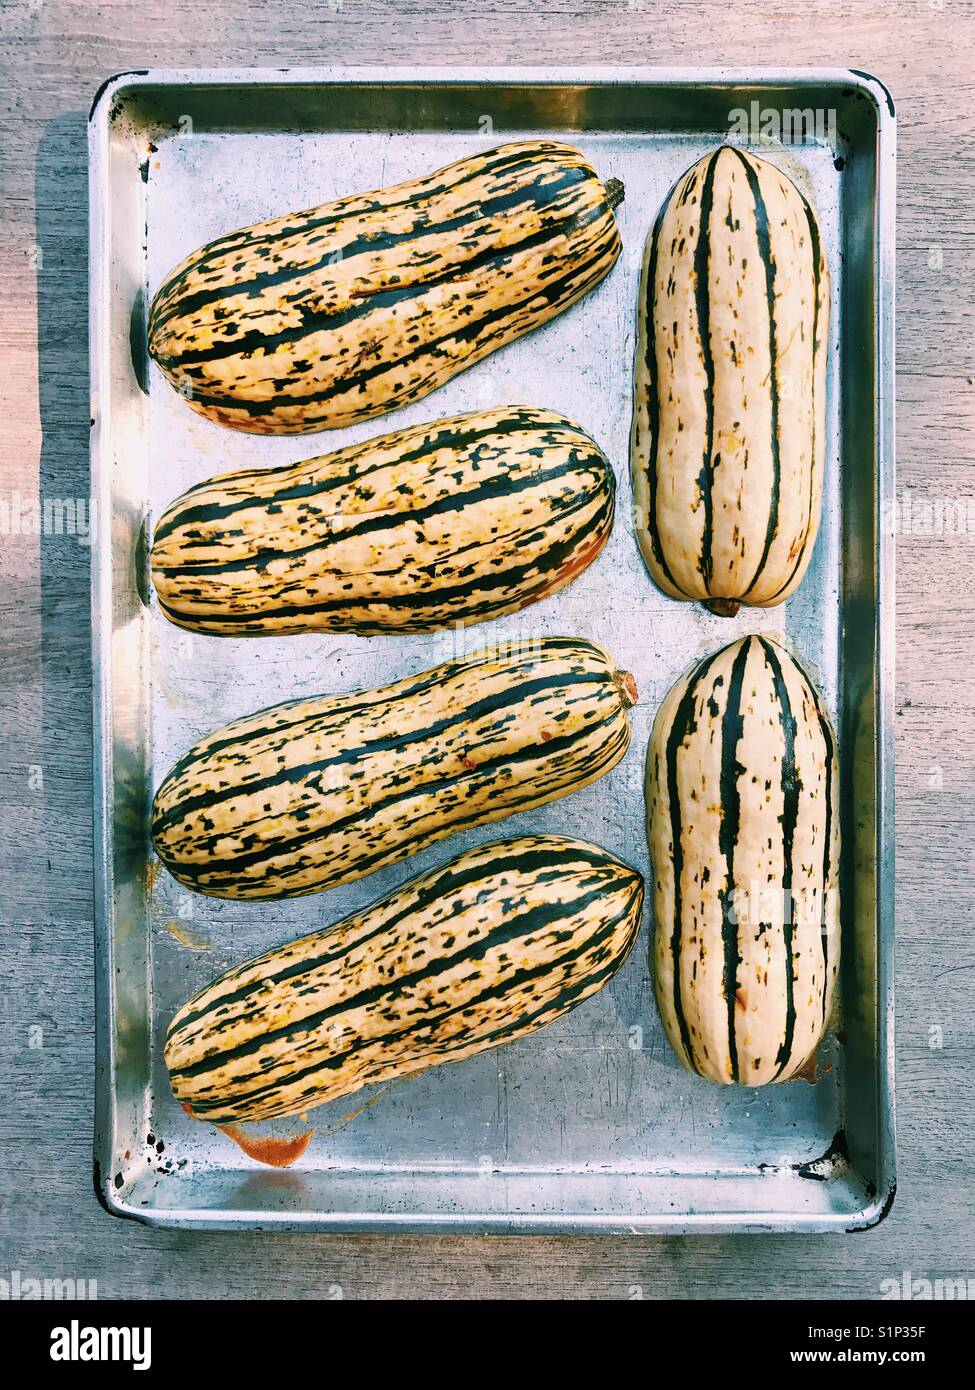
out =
column 99, row 126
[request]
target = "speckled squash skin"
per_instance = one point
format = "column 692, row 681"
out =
column 743, row 821
column 323, row 318
column 314, row 793
column 487, row 948
column 729, row 418
column 453, row 522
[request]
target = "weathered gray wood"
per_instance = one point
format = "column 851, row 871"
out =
column 53, row 56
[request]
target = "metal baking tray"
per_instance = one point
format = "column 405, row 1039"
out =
column 591, row 1125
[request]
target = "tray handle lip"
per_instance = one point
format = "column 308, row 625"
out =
column 101, row 103
column 109, row 1199
column 876, row 1211
column 105, row 1111
column 882, row 101
column 874, row 88
column 877, row 91
column 866, row 1218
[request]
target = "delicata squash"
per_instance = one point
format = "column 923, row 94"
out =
column 317, row 792
column 729, row 417
column 320, row 319
column 453, row 522
column 742, row 803
column 495, row 944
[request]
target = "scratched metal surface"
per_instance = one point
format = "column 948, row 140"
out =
column 591, row 1124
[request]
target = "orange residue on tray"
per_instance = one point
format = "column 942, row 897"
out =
column 274, row 1150
column 277, row 1151
column 153, row 873
column 807, row 1072
column 186, row 938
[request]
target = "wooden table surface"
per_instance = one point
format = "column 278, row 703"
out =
column 53, row 57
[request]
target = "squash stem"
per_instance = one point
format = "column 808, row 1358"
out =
column 626, row 686
column 615, row 192
column 723, row 607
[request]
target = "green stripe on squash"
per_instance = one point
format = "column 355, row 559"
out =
column 490, row 947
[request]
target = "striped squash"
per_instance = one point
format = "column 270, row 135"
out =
column 320, row 319
column 447, row 523
column 742, row 796
column 314, row 793
column 493, row 945
column 729, row 419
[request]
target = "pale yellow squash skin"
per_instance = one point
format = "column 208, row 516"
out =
column 313, row 793
column 739, row 813
column 493, row 945
column 339, row 313
column 727, row 500
column 452, row 522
